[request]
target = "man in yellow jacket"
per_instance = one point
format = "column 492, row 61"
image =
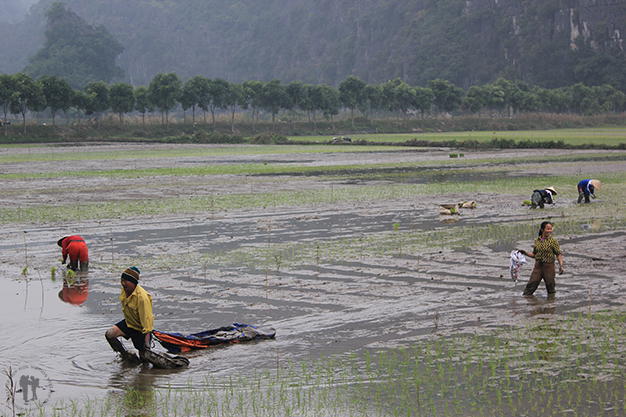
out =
column 138, row 317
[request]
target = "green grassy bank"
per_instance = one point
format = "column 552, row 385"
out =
column 575, row 130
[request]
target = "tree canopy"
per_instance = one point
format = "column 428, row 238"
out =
column 165, row 92
column 75, row 50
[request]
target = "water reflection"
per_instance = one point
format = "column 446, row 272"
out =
column 447, row 220
column 546, row 306
column 137, row 394
column 75, row 290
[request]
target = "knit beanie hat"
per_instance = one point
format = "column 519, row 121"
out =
column 131, row 274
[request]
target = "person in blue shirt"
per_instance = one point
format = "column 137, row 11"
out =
column 586, row 189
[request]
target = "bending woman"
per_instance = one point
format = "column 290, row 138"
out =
column 545, row 249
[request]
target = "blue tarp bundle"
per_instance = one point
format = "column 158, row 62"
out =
column 237, row 332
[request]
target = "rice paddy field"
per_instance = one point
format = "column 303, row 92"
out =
column 602, row 136
column 382, row 305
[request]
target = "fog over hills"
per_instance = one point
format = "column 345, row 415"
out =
column 550, row 43
column 13, row 11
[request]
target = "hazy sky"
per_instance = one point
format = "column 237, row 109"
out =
column 14, row 10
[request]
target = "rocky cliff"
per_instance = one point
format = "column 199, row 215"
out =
column 546, row 42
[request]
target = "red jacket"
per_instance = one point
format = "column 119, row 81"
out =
column 75, row 247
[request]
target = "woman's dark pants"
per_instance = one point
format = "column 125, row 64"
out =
column 545, row 271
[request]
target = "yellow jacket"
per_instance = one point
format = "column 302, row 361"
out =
column 137, row 309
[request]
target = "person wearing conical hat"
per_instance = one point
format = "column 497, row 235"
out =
column 138, row 317
column 76, row 248
column 587, row 188
column 541, row 197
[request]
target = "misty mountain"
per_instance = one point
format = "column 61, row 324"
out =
column 550, row 43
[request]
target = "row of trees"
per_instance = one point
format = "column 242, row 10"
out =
column 20, row 93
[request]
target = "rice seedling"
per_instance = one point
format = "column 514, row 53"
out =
column 25, row 252
column 11, row 389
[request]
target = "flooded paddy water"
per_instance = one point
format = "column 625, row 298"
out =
column 367, row 265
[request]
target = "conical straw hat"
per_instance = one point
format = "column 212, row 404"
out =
column 596, row 184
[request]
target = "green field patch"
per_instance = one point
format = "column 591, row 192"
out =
column 289, row 168
column 598, row 136
column 207, row 151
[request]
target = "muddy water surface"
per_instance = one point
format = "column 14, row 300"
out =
column 319, row 308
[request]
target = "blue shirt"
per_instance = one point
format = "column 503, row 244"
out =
column 585, row 187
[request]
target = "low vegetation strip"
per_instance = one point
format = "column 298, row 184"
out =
column 610, row 136
column 223, row 202
column 188, row 152
column 277, row 168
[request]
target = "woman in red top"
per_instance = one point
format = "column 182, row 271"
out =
column 76, row 248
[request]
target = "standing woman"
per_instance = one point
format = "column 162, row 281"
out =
column 545, row 249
